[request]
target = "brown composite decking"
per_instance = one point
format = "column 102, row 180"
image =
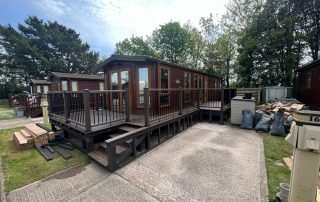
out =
column 102, row 119
column 214, row 106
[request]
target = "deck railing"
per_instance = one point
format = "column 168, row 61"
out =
column 212, row 97
column 30, row 103
column 165, row 103
column 161, row 104
column 89, row 109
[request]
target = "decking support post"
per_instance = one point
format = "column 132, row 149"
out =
column 146, row 106
column 148, row 146
column 222, row 98
column 127, row 106
column 198, row 98
column 49, row 103
column 66, row 106
column 180, row 101
column 112, row 157
column 222, row 107
column 86, row 107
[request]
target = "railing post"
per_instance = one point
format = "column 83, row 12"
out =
column 146, row 106
column 66, row 106
column 198, row 98
column 180, row 101
column 127, row 106
column 222, row 97
column 49, row 97
column 86, row 106
column 112, row 157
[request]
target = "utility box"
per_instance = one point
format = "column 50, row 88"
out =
column 305, row 137
column 238, row 104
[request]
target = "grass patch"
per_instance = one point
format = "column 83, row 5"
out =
column 7, row 115
column 275, row 149
column 23, row 167
column 4, row 108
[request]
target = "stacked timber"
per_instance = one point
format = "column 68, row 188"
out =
column 288, row 107
column 31, row 135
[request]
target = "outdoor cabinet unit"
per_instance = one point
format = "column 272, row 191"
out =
column 237, row 105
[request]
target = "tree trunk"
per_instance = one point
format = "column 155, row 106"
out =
column 228, row 72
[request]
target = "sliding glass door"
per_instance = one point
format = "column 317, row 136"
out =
column 119, row 81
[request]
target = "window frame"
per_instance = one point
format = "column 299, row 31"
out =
column 62, row 81
column 187, row 92
column 141, row 93
column 77, row 86
column 121, row 99
column 164, row 93
column 309, row 80
column 101, row 84
column 38, row 89
column 44, row 91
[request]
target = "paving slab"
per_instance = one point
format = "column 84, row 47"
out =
column 13, row 123
column 207, row 162
column 62, row 186
column 114, row 188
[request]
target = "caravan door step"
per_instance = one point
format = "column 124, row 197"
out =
column 99, row 156
column 119, row 148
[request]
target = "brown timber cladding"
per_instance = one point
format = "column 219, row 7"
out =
column 176, row 78
column 309, row 75
column 82, row 84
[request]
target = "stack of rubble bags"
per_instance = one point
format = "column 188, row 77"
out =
column 31, row 135
column 275, row 118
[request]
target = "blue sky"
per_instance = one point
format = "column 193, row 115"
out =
column 102, row 23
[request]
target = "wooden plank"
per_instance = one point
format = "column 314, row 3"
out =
column 46, row 153
column 127, row 128
column 34, row 130
column 99, row 156
column 19, row 137
column 63, row 152
column 26, row 134
column 288, row 162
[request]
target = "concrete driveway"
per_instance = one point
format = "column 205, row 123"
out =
column 207, row 162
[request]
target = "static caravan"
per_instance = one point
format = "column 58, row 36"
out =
column 307, row 85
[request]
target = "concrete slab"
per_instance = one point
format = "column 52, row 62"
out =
column 207, row 162
column 62, row 186
column 13, row 123
column 114, row 188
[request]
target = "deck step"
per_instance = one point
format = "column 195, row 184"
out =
column 27, row 135
column 21, row 141
column 99, row 156
column 19, row 138
column 119, row 148
column 34, row 130
column 128, row 128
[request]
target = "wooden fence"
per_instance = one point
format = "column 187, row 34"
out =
column 256, row 93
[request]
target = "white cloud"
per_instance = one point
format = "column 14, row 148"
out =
column 54, row 7
column 102, row 23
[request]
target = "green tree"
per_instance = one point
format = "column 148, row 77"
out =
column 194, row 51
column 309, row 24
column 134, row 46
column 39, row 47
column 270, row 48
column 221, row 48
column 170, row 42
